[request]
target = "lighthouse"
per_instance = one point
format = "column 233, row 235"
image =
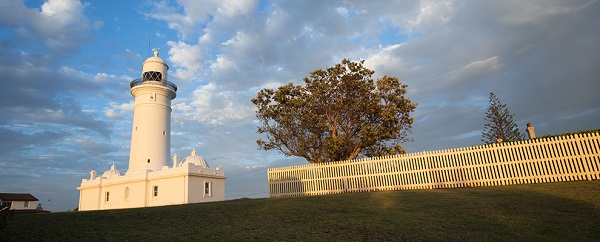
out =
column 152, row 179
column 151, row 131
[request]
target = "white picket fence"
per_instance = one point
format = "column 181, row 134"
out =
column 565, row 158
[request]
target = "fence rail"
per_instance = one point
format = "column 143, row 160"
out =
column 563, row 158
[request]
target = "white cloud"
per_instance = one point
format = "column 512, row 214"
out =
column 431, row 14
column 195, row 14
column 535, row 12
column 223, row 65
column 111, row 113
column 203, row 95
column 104, row 77
column 235, row 40
column 232, row 7
column 132, row 54
column 387, row 59
column 60, row 25
column 118, row 111
column 188, row 59
column 474, row 71
column 90, row 143
column 62, row 18
column 63, row 12
column 210, row 106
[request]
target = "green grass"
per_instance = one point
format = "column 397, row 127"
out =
column 567, row 211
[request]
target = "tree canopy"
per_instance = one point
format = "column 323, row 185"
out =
column 340, row 113
column 499, row 123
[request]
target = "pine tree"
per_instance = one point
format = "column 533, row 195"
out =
column 499, row 123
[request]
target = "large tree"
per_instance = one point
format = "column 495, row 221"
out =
column 339, row 114
column 499, row 123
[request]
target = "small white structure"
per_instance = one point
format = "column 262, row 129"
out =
column 20, row 202
column 149, row 181
column 530, row 131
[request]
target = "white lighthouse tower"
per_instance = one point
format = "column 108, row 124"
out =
column 150, row 181
column 151, row 131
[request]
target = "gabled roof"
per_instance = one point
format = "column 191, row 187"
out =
column 17, row 197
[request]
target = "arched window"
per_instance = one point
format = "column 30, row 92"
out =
column 207, row 189
column 127, row 194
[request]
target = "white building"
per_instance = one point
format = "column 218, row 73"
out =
column 150, row 180
column 20, row 203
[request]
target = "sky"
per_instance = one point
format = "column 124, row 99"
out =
column 66, row 65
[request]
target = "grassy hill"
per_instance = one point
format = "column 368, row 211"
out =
column 537, row 212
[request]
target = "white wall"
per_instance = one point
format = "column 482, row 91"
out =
column 20, row 205
column 178, row 185
column 197, row 193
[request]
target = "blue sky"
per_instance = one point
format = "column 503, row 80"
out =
column 65, row 68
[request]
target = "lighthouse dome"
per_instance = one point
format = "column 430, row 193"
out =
column 112, row 173
column 194, row 159
column 155, row 68
column 155, row 58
